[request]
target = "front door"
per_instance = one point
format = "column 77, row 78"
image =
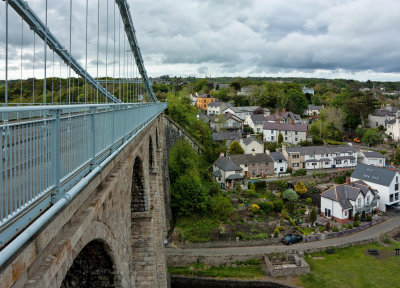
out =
column 245, row 174
column 351, row 214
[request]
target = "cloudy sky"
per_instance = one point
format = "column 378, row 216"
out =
column 356, row 39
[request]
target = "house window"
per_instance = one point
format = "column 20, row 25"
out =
column 380, row 160
column 285, row 132
column 285, row 138
column 345, row 213
column 368, row 200
column 338, row 161
column 359, row 203
column 397, row 179
column 396, row 196
column 295, row 165
column 254, row 172
column 326, row 163
column 352, row 161
column 272, row 137
column 327, row 212
column 391, row 198
column 396, row 186
column 295, row 139
column 281, row 169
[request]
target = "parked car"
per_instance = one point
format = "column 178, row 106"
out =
column 396, row 206
column 290, row 239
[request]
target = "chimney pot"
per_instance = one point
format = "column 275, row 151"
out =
column 292, row 122
column 253, row 152
column 267, row 152
column 347, row 180
column 221, row 154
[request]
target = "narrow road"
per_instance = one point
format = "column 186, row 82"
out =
column 367, row 234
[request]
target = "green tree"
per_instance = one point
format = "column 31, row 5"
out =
column 372, row 137
column 280, row 138
column 278, row 205
column 290, row 195
column 296, row 101
column 313, row 215
column 235, row 148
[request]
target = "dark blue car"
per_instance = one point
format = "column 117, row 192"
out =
column 290, row 239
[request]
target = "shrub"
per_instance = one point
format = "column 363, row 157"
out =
column 350, row 226
column 385, row 239
column 250, row 193
column 221, row 207
column 276, row 232
column 335, row 229
column 363, row 216
column 321, row 228
column 356, row 223
column 300, row 172
column 252, row 186
column 254, row 208
column 356, row 217
column 328, row 226
column 280, row 185
column 300, row 187
column 344, row 226
column 267, row 207
column 313, row 215
column 278, row 205
column 260, row 185
column 290, row 195
column 308, row 201
column 340, row 179
column 369, row 218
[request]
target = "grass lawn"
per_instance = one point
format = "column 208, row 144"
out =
column 196, row 229
column 353, row 267
column 245, row 270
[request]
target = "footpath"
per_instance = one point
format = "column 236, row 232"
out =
column 366, row 235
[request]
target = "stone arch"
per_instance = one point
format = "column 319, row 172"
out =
column 93, row 267
column 151, row 153
column 138, row 192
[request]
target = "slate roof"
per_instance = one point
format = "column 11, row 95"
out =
column 285, row 127
column 373, row 154
column 313, row 107
column 234, row 177
column 226, row 164
column 250, row 159
column 383, row 113
column 217, row 173
column 248, row 140
column 258, row 118
column 343, row 193
column 329, row 149
column 219, row 104
column 276, row 156
column 203, row 117
column 228, row 115
column 220, row 136
column 373, row 174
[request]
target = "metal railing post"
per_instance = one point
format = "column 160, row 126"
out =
column 93, row 138
column 56, row 155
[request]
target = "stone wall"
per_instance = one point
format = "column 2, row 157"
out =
column 185, row 260
column 301, row 267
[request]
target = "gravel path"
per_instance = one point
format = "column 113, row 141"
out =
column 367, row 234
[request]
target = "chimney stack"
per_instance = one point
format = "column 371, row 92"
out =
column 267, row 152
column 221, row 154
column 277, row 111
column 253, row 152
column 278, row 120
column 347, row 180
column 292, row 121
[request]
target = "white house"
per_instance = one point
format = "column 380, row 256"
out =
column 313, row 110
column 226, row 172
column 382, row 116
column 217, row 108
column 393, row 129
column 385, row 181
column 256, row 122
column 343, row 201
column 371, row 158
column 280, row 162
column 252, row 145
column 292, row 133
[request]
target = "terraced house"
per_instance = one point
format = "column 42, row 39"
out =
column 320, row 157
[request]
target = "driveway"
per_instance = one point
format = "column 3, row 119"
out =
column 367, row 234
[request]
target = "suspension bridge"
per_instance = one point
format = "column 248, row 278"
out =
column 83, row 166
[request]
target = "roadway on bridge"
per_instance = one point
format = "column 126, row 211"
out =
column 370, row 233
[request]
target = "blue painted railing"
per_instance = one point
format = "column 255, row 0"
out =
column 46, row 150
